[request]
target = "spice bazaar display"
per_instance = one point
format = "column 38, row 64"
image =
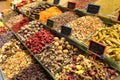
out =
column 5, row 38
column 41, row 39
column 60, row 56
column 109, row 36
column 32, row 72
column 85, row 68
column 34, row 7
column 20, row 3
column 30, row 29
column 48, row 13
column 62, row 19
column 58, row 53
column 13, row 60
column 84, row 26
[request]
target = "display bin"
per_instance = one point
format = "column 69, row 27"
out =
column 17, row 37
column 32, row 8
column 80, row 47
column 56, row 34
column 2, row 77
column 29, row 14
column 8, row 16
column 107, row 22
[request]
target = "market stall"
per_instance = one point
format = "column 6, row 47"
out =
column 43, row 41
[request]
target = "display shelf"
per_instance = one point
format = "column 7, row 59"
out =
column 63, row 9
column 30, row 51
column 81, row 45
column 106, row 21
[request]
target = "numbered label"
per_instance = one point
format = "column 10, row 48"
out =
column 94, row 9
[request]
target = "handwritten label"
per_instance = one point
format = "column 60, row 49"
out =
column 66, row 30
column 50, row 23
column 94, row 9
column 97, row 48
column 56, row 1
column 71, row 5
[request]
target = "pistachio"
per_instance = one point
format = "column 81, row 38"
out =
column 65, row 51
column 56, row 44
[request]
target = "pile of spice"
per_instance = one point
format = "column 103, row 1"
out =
column 15, row 64
column 57, row 54
column 48, row 13
column 85, row 68
column 63, row 19
column 84, row 26
column 109, row 36
column 32, row 72
column 30, row 29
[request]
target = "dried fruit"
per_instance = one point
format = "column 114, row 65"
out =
column 39, row 40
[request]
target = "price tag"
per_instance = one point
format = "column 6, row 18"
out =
column 50, row 23
column 56, row 1
column 66, row 30
column 94, row 9
column 71, row 5
column 37, row 16
column 97, row 48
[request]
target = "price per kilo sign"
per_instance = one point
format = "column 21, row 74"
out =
column 93, row 9
column 97, row 48
column 67, row 31
column 71, row 5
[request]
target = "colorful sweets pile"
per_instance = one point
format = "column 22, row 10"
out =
column 29, row 7
column 5, row 38
column 84, row 26
column 109, row 36
column 20, row 24
column 9, row 49
column 24, row 2
column 48, row 13
column 32, row 72
column 28, row 30
column 39, row 40
column 63, row 19
column 41, row 7
column 85, row 68
column 58, row 53
column 13, row 20
column 15, row 64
